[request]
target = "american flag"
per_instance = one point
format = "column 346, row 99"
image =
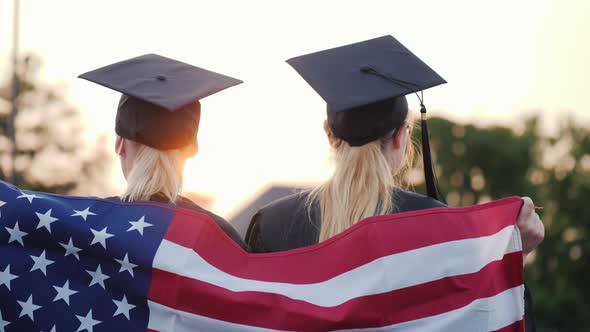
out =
column 88, row 264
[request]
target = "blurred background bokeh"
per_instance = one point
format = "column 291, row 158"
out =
column 513, row 119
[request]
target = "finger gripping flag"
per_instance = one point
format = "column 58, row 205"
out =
column 88, row 264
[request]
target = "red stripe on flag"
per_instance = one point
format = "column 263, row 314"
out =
column 515, row 327
column 279, row 312
column 372, row 238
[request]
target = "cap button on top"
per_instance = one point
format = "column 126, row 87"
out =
column 161, row 78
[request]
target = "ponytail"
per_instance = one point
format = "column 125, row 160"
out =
column 360, row 187
column 155, row 172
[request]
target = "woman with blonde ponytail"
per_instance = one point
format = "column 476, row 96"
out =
column 157, row 124
column 363, row 184
column 364, row 85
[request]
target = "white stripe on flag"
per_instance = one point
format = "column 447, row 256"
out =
column 379, row 276
column 486, row 314
column 165, row 319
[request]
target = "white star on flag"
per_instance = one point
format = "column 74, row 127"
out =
column 52, row 329
column 123, row 307
column 29, row 197
column 71, row 249
column 139, row 225
column 87, row 323
column 45, row 220
column 6, row 277
column 2, row 203
column 126, row 265
column 83, row 213
column 28, row 307
column 41, row 263
column 64, row 293
column 100, row 237
column 3, row 323
column 97, row 277
column 16, row 234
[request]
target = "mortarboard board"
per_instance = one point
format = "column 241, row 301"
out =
column 160, row 102
column 364, row 85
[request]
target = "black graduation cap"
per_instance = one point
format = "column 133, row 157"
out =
column 160, row 102
column 364, row 85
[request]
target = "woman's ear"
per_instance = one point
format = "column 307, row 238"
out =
column 120, row 145
column 401, row 135
column 329, row 132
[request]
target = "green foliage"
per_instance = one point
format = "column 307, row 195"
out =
column 476, row 164
column 51, row 152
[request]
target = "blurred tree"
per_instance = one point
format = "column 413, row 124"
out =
column 561, row 267
column 475, row 165
column 52, row 153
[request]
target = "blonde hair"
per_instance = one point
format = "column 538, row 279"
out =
column 361, row 186
column 155, row 172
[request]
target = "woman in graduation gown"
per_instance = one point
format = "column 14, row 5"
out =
column 156, row 125
column 364, row 85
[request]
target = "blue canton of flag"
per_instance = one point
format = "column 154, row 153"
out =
column 75, row 264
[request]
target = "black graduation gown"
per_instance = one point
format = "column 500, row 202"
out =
column 186, row 203
column 284, row 225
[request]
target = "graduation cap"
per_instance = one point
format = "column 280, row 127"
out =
column 364, row 85
column 159, row 106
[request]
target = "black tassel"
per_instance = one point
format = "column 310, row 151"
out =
column 427, row 158
column 429, row 176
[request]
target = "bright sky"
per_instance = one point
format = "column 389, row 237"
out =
column 501, row 59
